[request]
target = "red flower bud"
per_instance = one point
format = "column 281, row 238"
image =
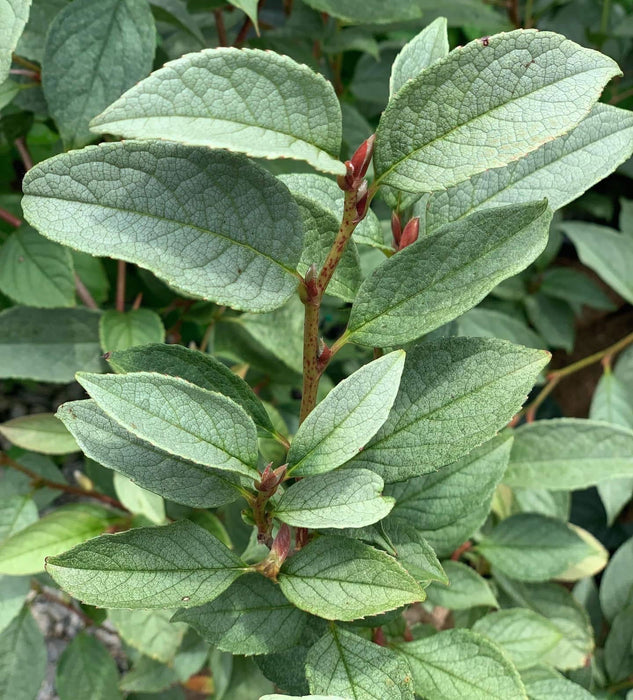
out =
column 362, row 158
column 410, row 233
column 396, row 229
column 347, row 181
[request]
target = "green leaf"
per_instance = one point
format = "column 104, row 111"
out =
column 414, row 552
column 454, row 394
column 40, row 432
column 15, row 483
column 179, row 418
column 16, row 513
column 150, row 676
column 139, row 501
column 342, row 579
column 451, row 122
column 618, row 648
column 196, row 367
column 120, row 330
column 214, row 98
column 174, row 565
column 149, row 631
column 35, row 271
column 482, row 322
column 425, row 49
column 370, row 11
column 440, row 504
column 560, row 170
column 87, row 670
column 533, row 547
column 557, row 605
column 251, row 617
column 13, row 17
column 25, row 551
column 446, row 273
column 553, row 319
column 348, row 498
column 341, row 663
column 325, row 192
column 569, row 453
column 524, row 635
column 574, row 287
column 175, row 13
column 22, row 658
column 457, row 664
column 466, row 589
column 13, row 592
column 349, row 416
column 31, row 44
column 616, row 588
column 249, row 8
column 554, row 689
column 48, row 345
column 216, row 226
column 606, row 251
column 104, row 440
column 92, row 273
column 92, row 55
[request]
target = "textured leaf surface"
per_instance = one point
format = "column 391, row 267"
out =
column 341, row 663
column 93, row 53
column 486, row 105
column 454, row 394
column 120, row 330
column 40, row 432
column 13, row 592
column 35, row 271
column 13, row 17
column 347, row 418
column 48, row 345
column 104, row 440
column 86, row 669
column 560, row 170
column 260, row 103
column 618, row 648
column 196, row 367
column 216, row 225
column 251, row 617
column 524, row 635
column 139, row 501
column 606, row 251
column 149, row 631
column 342, row 579
column 446, row 273
column 25, row 551
column 482, row 322
column 616, row 588
column 559, row 607
column 569, row 453
column 175, row 565
column 178, row 417
column 414, row 552
column 466, row 589
column 348, row 498
column 533, row 547
column 425, row 49
column 555, row 688
column 457, row 664
column 22, row 658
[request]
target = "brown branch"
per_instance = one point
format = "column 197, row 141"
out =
column 24, row 153
column 243, row 33
column 86, row 619
column 10, row 219
column 84, row 294
column 219, row 25
column 7, row 461
column 24, row 63
column 120, row 286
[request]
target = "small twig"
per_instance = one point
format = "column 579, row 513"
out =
column 620, row 96
column 24, row 63
column 455, row 556
column 120, row 286
column 86, row 619
column 243, row 33
column 84, row 294
column 554, row 377
column 513, row 13
column 7, row 461
column 137, row 302
column 528, row 20
column 219, row 25
column 24, row 153
column 10, row 219
column 25, row 72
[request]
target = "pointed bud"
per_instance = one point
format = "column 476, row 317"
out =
column 396, row 229
column 311, row 277
column 278, row 554
column 361, row 201
column 324, row 353
column 270, row 479
column 362, row 158
column 410, row 233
